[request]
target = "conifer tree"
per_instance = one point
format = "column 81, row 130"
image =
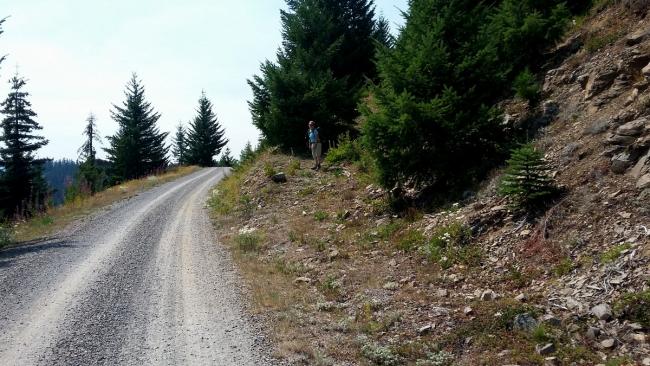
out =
column 527, row 181
column 431, row 121
column 246, row 153
column 90, row 176
column 179, row 145
column 23, row 187
column 205, row 136
column 226, row 159
column 138, row 147
column 326, row 57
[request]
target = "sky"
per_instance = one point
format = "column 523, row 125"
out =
column 78, row 55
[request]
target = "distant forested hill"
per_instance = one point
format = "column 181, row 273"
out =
column 60, row 174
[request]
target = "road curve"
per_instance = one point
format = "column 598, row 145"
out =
column 141, row 283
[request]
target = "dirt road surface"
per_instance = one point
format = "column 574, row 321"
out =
column 141, row 283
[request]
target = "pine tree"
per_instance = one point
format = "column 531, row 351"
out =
column 138, row 147
column 226, row 159
column 247, row 153
column 527, row 181
column 326, row 57
column 23, row 187
column 179, row 145
column 90, row 176
column 205, row 137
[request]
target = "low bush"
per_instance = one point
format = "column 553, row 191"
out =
column 347, row 151
column 635, row 307
column 450, row 245
column 526, row 86
column 6, row 235
column 248, row 242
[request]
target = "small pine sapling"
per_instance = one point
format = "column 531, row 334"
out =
column 527, row 182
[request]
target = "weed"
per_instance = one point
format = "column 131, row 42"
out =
column 347, row 151
column 564, row 267
column 540, row 334
column 387, row 231
column 248, row 242
column 269, row 170
column 380, row 355
column 320, row 215
column 614, row 253
column 440, row 358
column 411, row 240
column 293, row 167
column 450, row 245
column 330, row 287
column 597, row 42
column 6, row 235
column 619, row 361
column 306, row 191
column 635, row 307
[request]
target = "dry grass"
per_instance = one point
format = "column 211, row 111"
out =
column 57, row 218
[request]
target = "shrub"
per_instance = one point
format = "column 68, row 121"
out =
column 248, row 242
column 635, row 307
column 347, row 151
column 269, row 170
column 320, row 215
column 526, row 86
column 293, row 167
column 411, row 240
column 450, row 245
column 380, row 355
column 614, row 253
column 6, row 235
column 527, row 182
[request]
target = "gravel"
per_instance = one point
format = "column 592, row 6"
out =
column 143, row 282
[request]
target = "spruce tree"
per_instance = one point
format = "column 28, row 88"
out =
column 138, row 147
column 90, row 176
column 326, row 57
column 246, row 153
column 226, row 159
column 205, row 136
column 179, row 145
column 527, row 181
column 23, row 187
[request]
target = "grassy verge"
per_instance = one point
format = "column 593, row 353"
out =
column 59, row 217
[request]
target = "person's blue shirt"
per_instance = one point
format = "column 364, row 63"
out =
column 313, row 135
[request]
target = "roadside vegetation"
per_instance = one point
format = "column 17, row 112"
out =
column 56, row 218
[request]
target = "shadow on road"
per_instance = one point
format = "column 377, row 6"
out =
column 9, row 255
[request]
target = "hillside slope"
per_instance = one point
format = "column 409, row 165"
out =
column 341, row 280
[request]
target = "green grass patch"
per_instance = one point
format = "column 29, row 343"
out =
column 411, row 240
column 614, row 253
column 635, row 307
column 450, row 245
column 248, row 242
column 320, row 216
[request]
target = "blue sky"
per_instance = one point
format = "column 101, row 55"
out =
column 78, row 55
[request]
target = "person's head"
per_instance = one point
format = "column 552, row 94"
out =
column 312, row 124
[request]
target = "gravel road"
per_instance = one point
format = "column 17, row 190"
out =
column 141, row 283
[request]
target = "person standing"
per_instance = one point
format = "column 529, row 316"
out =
column 315, row 144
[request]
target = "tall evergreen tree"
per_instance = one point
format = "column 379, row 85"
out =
column 205, row 136
column 23, row 187
column 326, row 57
column 138, row 147
column 90, row 176
column 430, row 122
column 179, row 145
column 226, row 159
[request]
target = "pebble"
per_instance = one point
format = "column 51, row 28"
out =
column 602, row 312
column 608, row 343
column 521, row 298
column 468, row 310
